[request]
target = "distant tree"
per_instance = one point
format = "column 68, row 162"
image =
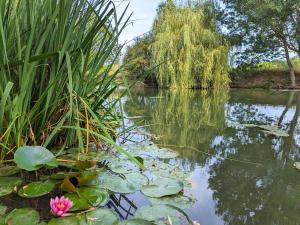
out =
column 262, row 30
column 137, row 60
column 187, row 48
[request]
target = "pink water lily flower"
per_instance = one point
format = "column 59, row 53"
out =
column 60, row 206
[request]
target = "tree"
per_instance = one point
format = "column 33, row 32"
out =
column 189, row 51
column 263, row 29
column 137, row 60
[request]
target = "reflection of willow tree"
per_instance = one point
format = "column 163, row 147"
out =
column 258, row 194
column 184, row 118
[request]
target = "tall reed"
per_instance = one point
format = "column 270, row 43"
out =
column 55, row 59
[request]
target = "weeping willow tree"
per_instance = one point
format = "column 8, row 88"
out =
column 188, row 49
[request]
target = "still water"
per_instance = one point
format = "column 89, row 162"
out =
column 239, row 175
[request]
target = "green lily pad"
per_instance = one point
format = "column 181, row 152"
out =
column 101, row 217
column 8, row 171
column 155, row 212
column 70, row 220
column 297, row 165
column 32, row 158
column 130, row 183
column 274, row 130
column 87, row 197
column 166, row 153
column 179, row 201
column 8, row 184
column 136, row 222
column 3, row 209
column 23, row 216
column 36, row 189
column 162, row 187
column 122, row 166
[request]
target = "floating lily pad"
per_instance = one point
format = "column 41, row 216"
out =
column 179, row 201
column 162, row 187
column 23, row 216
column 274, row 130
column 101, row 217
column 297, row 165
column 36, row 189
column 71, row 220
column 136, row 222
column 130, row 183
column 122, row 166
column 155, row 212
column 32, row 158
column 8, row 184
column 166, row 153
column 8, row 171
column 88, row 197
column 2, row 210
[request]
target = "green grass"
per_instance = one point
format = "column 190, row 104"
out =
column 278, row 65
column 55, row 67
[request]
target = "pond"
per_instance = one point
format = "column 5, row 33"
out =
column 240, row 175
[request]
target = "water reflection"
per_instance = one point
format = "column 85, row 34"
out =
column 240, row 176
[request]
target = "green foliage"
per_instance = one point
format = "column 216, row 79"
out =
column 50, row 58
column 187, row 48
column 262, row 30
column 137, row 60
column 32, row 158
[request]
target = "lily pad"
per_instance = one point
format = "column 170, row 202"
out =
column 297, row 165
column 122, row 166
column 136, row 222
column 2, row 210
column 155, row 212
column 23, row 216
column 87, row 197
column 36, row 189
column 101, row 216
column 8, row 184
column 166, row 153
column 8, row 171
column 32, row 158
column 162, row 187
column 274, row 130
column 179, row 201
column 71, row 220
column 130, row 183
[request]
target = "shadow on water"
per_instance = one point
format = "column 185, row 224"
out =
column 240, row 175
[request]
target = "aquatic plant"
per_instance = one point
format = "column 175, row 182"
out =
column 188, row 49
column 55, row 63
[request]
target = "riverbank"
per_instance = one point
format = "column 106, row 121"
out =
column 266, row 79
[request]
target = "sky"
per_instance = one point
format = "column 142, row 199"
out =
column 144, row 12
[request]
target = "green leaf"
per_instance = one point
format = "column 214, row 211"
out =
column 36, row 189
column 274, row 130
column 155, row 212
column 136, row 222
column 101, row 217
column 166, row 153
column 32, row 158
column 8, row 171
column 87, row 197
column 179, row 201
column 8, row 184
column 23, row 216
column 162, row 187
column 71, row 220
column 3, row 209
column 122, row 166
column 130, row 183
column 297, row 165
